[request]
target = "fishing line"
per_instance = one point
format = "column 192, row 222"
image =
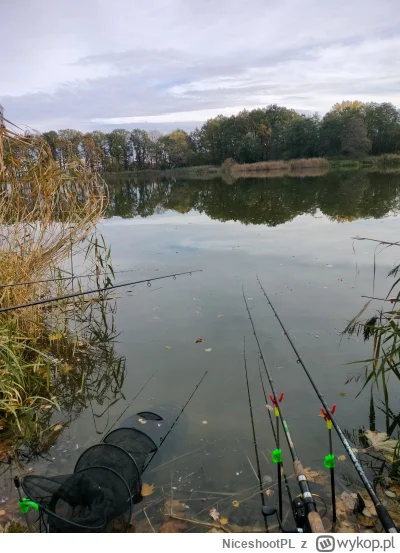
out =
column 96, row 290
column 383, row 515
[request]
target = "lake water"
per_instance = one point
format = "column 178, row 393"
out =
column 297, row 235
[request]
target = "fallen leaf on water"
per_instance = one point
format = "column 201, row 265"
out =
column 380, row 442
column 342, row 394
column 315, row 476
column 223, row 520
column 173, row 527
column 348, row 500
column 235, row 503
column 366, row 521
column 204, row 422
column 199, row 340
column 370, row 506
column 354, row 450
column 389, row 493
column 175, row 506
column 57, row 427
column 2, row 513
column 269, row 492
column 142, row 421
column 214, row 514
column 341, row 458
column 147, row 489
column 167, row 347
column 208, row 349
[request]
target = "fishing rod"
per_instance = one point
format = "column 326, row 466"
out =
column 13, row 284
column 133, row 399
column 312, row 517
column 176, row 420
column 106, row 288
column 383, row 515
column 274, row 433
column 254, row 436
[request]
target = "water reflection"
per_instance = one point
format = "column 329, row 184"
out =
column 341, row 196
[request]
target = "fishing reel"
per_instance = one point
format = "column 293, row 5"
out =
column 300, row 516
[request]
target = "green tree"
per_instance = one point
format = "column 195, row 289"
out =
column 355, row 141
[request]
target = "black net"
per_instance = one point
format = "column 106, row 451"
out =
column 135, row 442
column 98, row 496
column 96, row 499
column 113, row 457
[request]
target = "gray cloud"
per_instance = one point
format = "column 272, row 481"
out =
column 103, row 65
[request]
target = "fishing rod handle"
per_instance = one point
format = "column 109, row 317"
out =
column 314, row 520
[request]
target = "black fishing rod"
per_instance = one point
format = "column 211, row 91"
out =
column 276, row 442
column 313, row 518
column 176, row 420
column 28, row 283
column 254, row 435
column 381, row 511
column 96, row 290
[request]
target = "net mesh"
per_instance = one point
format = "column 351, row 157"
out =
column 98, row 496
column 136, row 443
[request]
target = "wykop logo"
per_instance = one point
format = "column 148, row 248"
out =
column 325, row 543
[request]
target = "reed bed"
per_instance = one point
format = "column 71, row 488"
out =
column 46, row 212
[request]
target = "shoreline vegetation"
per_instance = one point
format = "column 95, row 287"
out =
column 317, row 166
column 276, row 137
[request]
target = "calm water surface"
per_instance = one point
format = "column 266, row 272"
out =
column 296, row 234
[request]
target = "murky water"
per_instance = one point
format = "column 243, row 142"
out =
column 296, row 234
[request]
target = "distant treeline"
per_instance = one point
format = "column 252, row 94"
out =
column 350, row 129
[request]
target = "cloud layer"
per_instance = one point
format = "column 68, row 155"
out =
column 169, row 63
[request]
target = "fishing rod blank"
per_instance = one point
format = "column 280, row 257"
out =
column 383, row 515
column 28, row 283
column 176, row 420
column 313, row 517
column 254, row 435
column 106, row 288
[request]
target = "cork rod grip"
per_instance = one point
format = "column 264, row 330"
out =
column 315, row 523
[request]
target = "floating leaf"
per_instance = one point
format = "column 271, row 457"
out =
column 173, row 527
column 268, row 492
column 214, row 514
column 208, row 349
column 223, row 520
column 147, row 489
column 341, row 458
column 235, row 503
column 354, row 450
column 367, row 522
column 389, row 493
column 199, row 340
column 142, row 421
column 315, row 476
column 348, row 501
column 167, row 347
column 58, row 427
column 342, row 394
column 204, row 422
column 380, row 442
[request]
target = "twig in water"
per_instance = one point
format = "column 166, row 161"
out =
column 200, row 522
column 148, row 520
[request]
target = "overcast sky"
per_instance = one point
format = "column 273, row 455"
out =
column 91, row 64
